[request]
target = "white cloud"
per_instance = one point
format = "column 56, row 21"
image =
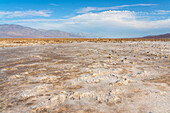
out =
column 112, row 19
column 8, row 14
column 89, row 9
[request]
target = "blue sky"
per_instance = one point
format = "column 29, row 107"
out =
column 109, row 18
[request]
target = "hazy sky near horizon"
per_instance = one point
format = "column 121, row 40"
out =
column 109, row 18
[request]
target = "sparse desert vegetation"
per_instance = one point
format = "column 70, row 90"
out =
column 85, row 75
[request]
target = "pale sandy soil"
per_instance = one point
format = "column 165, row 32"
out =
column 86, row 77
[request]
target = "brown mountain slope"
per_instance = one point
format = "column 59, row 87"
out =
column 18, row 31
column 158, row 36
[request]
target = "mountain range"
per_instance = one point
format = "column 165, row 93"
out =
column 18, row 31
column 158, row 36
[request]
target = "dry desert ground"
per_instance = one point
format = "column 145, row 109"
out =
column 84, row 76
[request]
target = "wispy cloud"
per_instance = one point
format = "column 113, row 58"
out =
column 53, row 4
column 33, row 20
column 116, row 19
column 89, row 9
column 162, row 12
column 8, row 14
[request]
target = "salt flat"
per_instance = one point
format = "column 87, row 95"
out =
column 128, row 77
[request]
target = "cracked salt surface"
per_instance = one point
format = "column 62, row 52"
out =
column 86, row 77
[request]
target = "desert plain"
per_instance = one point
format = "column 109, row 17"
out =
column 84, row 75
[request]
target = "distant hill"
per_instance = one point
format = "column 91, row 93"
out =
column 158, row 36
column 18, row 31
